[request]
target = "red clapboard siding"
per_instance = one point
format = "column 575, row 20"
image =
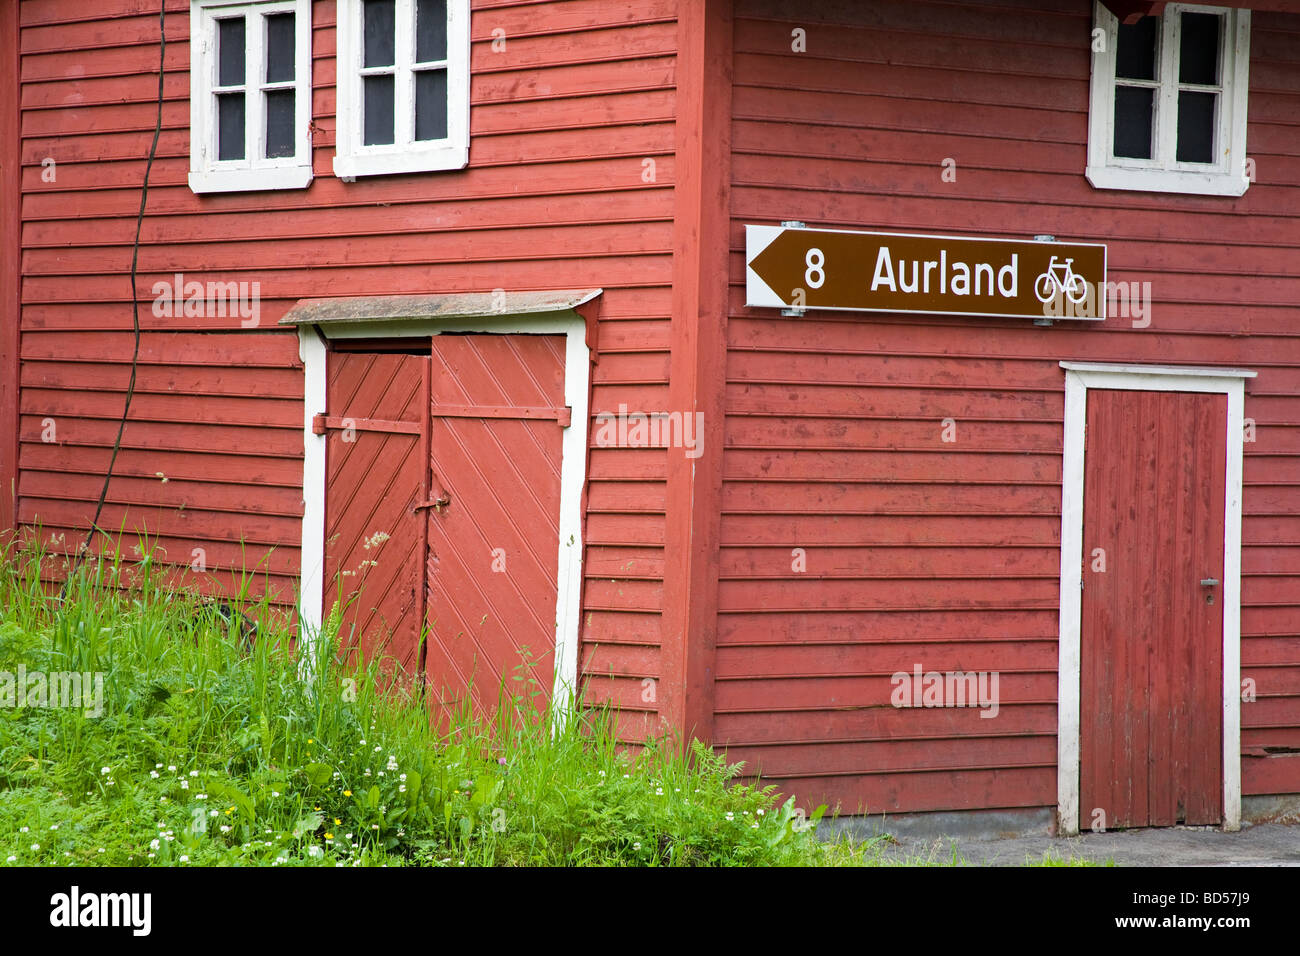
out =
column 1004, row 787
column 556, row 196
column 855, row 541
column 884, row 723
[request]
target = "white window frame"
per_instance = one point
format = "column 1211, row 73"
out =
column 1163, row 173
column 405, row 154
column 207, row 173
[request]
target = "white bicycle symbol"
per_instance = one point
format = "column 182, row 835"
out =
column 1047, row 285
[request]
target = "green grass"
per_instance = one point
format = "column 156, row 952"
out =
column 211, row 750
column 1050, row 859
column 946, row 852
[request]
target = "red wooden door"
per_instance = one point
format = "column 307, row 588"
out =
column 497, row 409
column 1152, row 641
column 375, row 466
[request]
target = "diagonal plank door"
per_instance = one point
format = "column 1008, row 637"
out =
column 374, row 535
column 1152, row 633
column 496, row 441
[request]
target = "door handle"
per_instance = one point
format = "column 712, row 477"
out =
column 1209, row 582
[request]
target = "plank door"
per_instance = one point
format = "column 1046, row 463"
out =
column 497, row 408
column 1151, row 726
column 375, row 467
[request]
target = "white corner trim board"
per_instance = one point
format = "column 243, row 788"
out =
column 1079, row 377
column 573, row 464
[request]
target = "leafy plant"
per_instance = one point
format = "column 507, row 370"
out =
column 217, row 748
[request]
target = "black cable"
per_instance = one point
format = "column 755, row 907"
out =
column 135, row 299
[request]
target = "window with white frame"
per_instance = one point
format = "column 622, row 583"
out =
column 403, row 86
column 250, row 95
column 1168, row 110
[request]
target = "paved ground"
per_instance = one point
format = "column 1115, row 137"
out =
column 1265, row 844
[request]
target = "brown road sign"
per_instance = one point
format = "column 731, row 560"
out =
column 942, row 275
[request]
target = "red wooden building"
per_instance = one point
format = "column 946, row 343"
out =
column 492, row 311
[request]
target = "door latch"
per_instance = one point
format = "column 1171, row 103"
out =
column 437, row 504
column 1209, row 583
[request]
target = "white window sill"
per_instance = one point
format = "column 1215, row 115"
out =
column 404, row 160
column 249, row 180
column 1167, row 181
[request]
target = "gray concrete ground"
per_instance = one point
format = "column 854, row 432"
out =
column 1263, row 844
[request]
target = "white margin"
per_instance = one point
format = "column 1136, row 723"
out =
column 573, row 464
column 758, row 294
column 1079, row 377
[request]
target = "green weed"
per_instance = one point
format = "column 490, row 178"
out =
column 216, row 749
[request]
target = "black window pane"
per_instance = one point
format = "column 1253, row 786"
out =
column 1196, row 127
column 430, row 30
column 230, row 52
column 431, row 104
column 1133, row 121
column 279, row 48
column 1198, row 53
column 1135, row 57
column 230, row 126
column 379, row 35
column 379, row 110
column 279, row 123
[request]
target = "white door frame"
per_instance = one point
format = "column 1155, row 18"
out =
column 1079, row 377
column 573, row 462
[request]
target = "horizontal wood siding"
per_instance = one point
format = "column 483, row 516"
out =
column 946, row 554
column 569, row 186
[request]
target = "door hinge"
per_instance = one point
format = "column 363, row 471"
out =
column 321, row 423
